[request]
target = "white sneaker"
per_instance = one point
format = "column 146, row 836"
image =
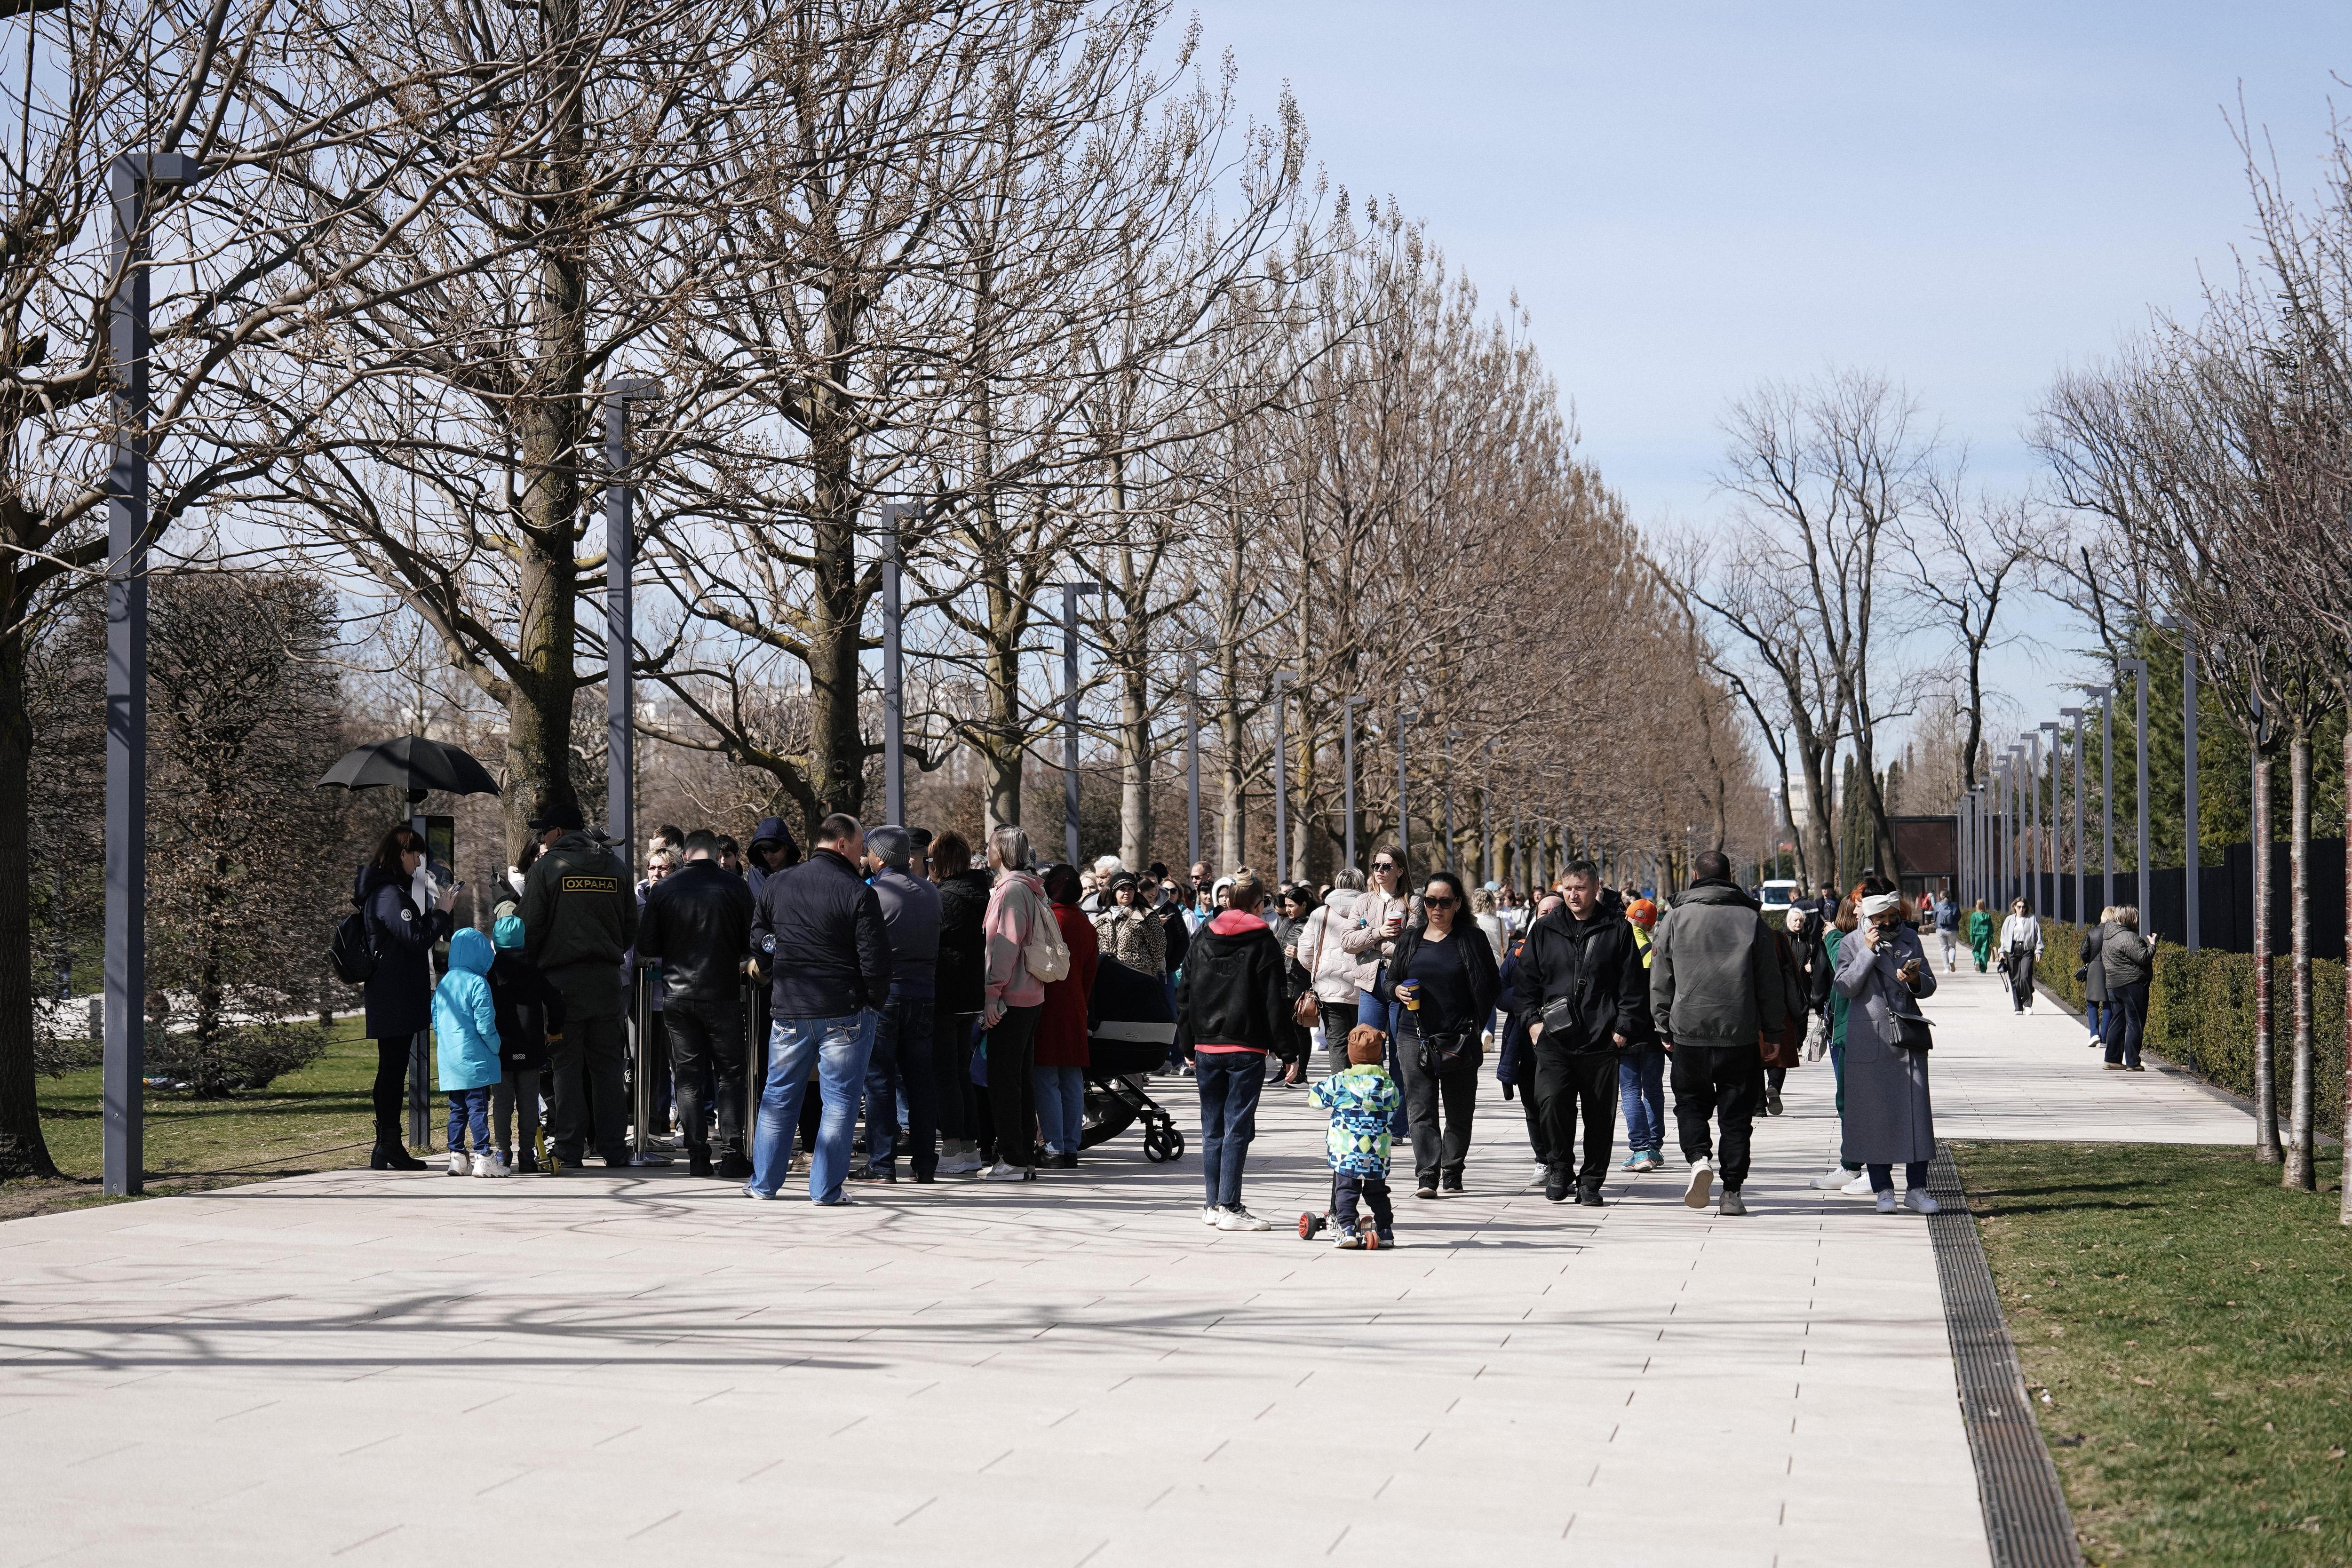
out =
column 489, row 1165
column 1241, row 1219
column 1923, row 1200
column 1833, row 1179
column 1887, row 1200
column 1000, row 1172
column 458, row 1165
column 2094, row 1039
column 1210, row 1215
column 1540, row 1172
column 1859, row 1188
column 1702, row 1181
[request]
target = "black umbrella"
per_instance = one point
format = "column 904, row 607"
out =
column 413, row 764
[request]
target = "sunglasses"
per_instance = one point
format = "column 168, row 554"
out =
column 1384, row 865
column 1437, row 903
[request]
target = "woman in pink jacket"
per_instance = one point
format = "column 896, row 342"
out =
column 1014, row 1000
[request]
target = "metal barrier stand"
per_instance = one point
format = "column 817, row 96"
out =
column 641, row 1086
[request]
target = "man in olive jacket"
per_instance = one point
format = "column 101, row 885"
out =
column 579, row 917
column 1715, row 991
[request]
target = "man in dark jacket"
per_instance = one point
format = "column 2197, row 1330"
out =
column 1232, row 1010
column 579, row 917
column 1715, row 992
column 1582, row 989
column 903, row 1038
column 773, row 847
column 698, row 923
column 958, row 996
column 818, row 928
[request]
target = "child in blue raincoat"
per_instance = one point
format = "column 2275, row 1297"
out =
column 465, row 1041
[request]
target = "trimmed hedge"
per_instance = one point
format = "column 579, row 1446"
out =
column 2200, row 1015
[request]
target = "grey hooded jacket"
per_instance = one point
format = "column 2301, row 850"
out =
column 1715, row 975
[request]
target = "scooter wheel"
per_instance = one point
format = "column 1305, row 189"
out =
column 1372, row 1241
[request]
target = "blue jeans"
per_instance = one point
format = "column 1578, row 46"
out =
column 1641, row 1098
column 1061, row 1107
column 1229, row 1083
column 1381, row 1016
column 839, row 1047
column 469, row 1110
column 2095, row 1014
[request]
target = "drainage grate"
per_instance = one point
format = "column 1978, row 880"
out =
column 2025, row 1514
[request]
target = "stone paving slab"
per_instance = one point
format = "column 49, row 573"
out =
column 362, row 1367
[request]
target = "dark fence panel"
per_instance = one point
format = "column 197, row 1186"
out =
column 2225, row 893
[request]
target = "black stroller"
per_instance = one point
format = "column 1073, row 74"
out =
column 1130, row 1032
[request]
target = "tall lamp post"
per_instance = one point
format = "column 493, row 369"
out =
column 894, row 665
column 2056, row 833
column 2082, row 859
column 620, row 613
column 1070, row 592
column 1282, row 678
column 2190, row 874
column 1404, row 809
column 2104, row 697
column 1191, row 763
column 2137, row 667
column 1347, row 707
column 131, row 179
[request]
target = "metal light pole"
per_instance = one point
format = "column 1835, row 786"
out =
column 2056, row 833
column 2106, row 795
column 1282, row 678
column 1070, row 592
column 2190, row 874
column 1348, row 766
column 1487, row 817
column 2081, row 859
column 893, row 664
column 1450, row 858
column 2139, row 667
column 131, row 179
column 1192, row 762
column 1404, row 810
column 620, row 616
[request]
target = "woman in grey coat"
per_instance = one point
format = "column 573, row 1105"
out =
column 2095, row 974
column 1883, row 970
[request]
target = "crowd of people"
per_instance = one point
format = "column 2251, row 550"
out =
column 928, row 1015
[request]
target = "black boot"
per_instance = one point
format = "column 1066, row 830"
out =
column 390, row 1153
column 698, row 1160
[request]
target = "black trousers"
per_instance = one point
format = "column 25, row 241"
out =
column 385, row 1094
column 1711, row 1082
column 2126, row 1020
column 587, row 1064
column 1347, row 1191
column 1011, row 1085
column 706, row 1047
column 959, row 1115
column 1454, row 1092
column 1339, row 1017
column 2021, row 977
column 902, row 1061
column 1567, row 1082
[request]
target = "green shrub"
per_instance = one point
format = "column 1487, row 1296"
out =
column 2200, row 1015
column 247, row 1057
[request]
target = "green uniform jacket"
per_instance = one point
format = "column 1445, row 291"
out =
column 579, row 917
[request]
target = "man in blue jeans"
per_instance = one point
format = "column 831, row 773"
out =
column 1232, row 1008
column 818, row 928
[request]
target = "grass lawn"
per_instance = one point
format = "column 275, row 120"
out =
column 315, row 1120
column 2190, row 1324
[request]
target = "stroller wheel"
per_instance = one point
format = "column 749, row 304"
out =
column 1156, row 1140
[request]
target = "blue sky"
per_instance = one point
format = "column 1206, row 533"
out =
column 1693, row 197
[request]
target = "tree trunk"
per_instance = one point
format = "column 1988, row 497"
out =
column 835, row 610
column 2343, row 1187
column 1135, row 751
column 23, row 1151
column 1231, row 840
column 2266, row 1121
column 2298, row 1174
column 1001, row 743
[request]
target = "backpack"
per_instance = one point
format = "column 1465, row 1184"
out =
column 1046, row 953
column 351, row 951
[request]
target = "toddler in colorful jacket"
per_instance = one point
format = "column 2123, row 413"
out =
column 1361, row 1099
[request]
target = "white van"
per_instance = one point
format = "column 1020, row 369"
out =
column 1779, row 896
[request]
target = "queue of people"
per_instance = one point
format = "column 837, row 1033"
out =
column 945, row 1006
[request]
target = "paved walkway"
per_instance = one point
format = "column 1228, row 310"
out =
column 377, row 1369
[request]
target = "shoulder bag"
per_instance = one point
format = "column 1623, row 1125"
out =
column 1045, row 953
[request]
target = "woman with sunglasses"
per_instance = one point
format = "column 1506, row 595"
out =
column 1443, row 983
column 1371, row 935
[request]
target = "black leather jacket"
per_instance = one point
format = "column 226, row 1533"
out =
column 697, row 921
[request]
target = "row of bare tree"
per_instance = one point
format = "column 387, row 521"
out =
column 2217, row 457
column 1021, row 266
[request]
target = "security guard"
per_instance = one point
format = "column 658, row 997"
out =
column 579, row 918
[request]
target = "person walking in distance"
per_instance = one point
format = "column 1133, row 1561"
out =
column 1581, row 985
column 1889, row 1121
column 1947, row 928
column 1441, row 982
column 903, row 1040
column 698, row 926
column 820, row 929
column 2021, row 950
column 1231, row 1013
column 1980, row 930
column 2092, row 956
column 1641, row 1067
column 960, row 996
column 579, row 917
column 401, row 935
column 1715, row 992
column 1024, row 950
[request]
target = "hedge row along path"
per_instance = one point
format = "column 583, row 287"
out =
column 1074, row 1372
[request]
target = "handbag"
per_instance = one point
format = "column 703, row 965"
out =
column 1442, row 1049
column 1306, row 1012
column 1914, row 1033
column 1045, row 953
